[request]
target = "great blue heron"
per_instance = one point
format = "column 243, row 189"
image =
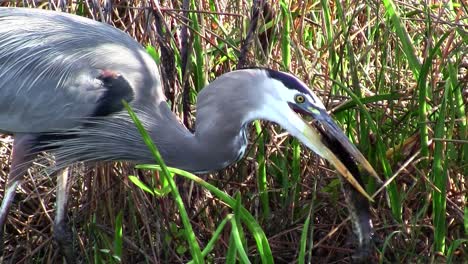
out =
column 62, row 82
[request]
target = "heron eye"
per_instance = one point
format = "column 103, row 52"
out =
column 299, row 98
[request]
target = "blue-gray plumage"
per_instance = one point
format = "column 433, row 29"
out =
column 63, row 79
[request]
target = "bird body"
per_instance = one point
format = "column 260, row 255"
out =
column 57, row 59
column 62, row 82
column 51, row 81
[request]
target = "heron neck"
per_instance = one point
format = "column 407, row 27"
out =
column 210, row 148
column 116, row 138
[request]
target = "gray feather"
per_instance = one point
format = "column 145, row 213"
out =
column 56, row 59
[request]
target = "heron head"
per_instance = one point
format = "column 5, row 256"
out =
column 289, row 101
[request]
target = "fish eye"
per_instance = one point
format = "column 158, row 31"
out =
column 299, row 98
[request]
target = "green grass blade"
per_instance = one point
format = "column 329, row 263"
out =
column 231, row 254
column 303, row 244
column 329, row 36
column 285, row 34
column 451, row 250
column 154, row 53
column 327, row 20
column 238, row 242
column 465, row 216
column 135, row 180
column 216, row 235
column 118, row 236
column 199, row 66
column 457, row 120
column 153, row 191
column 423, row 91
column 262, row 180
column 387, row 244
column 405, row 39
column 439, row 178
column 237, row 232
column 190, row 236
column 254, row 228
column 295, row 171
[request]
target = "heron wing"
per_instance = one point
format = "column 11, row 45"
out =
column 51, row 67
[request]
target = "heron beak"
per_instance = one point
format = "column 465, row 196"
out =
column 328, row 140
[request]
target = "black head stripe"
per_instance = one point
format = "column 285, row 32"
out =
column 288, row 80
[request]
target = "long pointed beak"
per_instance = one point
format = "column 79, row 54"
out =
column 328, row 140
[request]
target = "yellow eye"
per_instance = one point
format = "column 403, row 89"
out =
column 299, row 98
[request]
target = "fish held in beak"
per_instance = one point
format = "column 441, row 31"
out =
column 328, row 140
